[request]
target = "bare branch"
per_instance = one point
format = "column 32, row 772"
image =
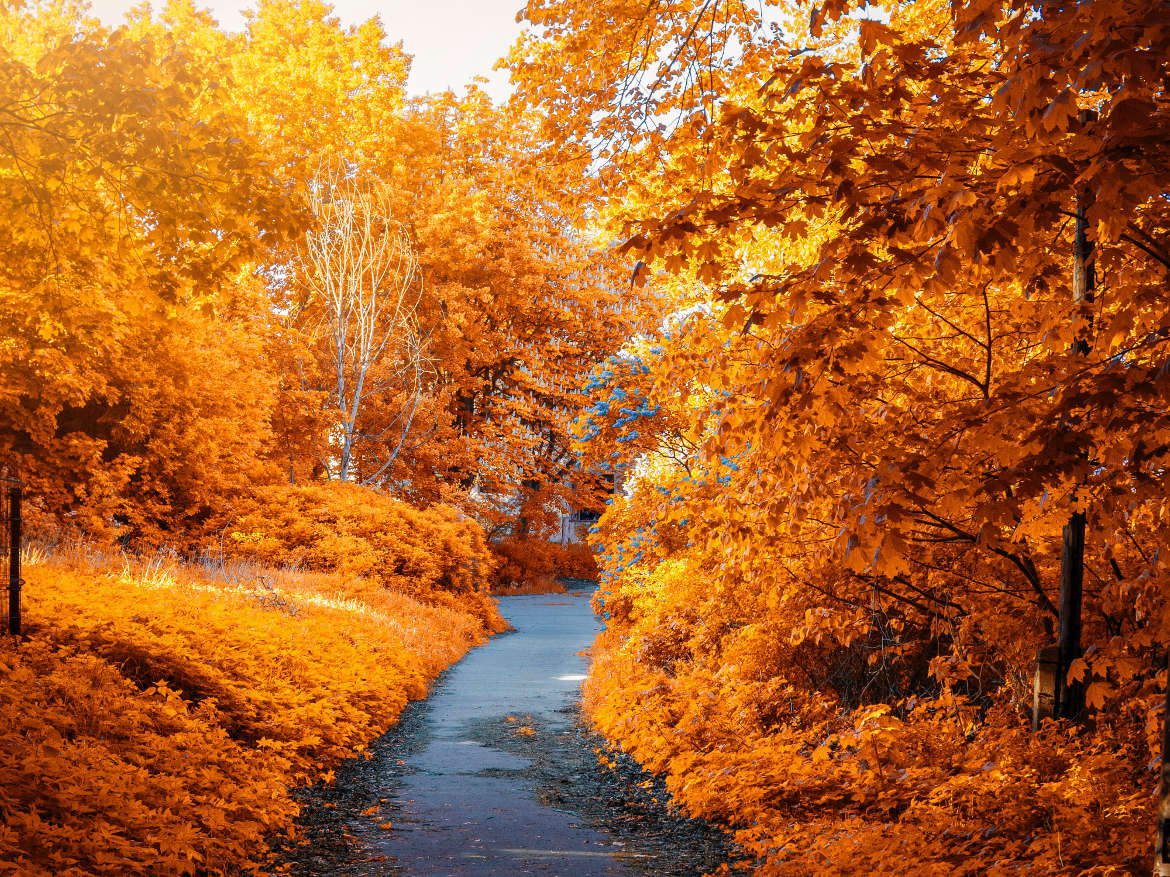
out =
column 361, row 266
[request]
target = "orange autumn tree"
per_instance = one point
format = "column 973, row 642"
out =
column 135, row 207
column 364, row 284
column 293, row 74
column 514, row 304
column 896, row 401
column 523, row 307
column 165, row 357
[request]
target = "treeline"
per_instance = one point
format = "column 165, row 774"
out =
column 235, row 261
column 919, row 255
column 287, row 360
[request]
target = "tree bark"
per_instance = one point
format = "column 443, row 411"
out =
column 363, row 270
column 1070, row 696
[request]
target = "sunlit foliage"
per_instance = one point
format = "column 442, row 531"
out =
column 879, row 397
column 167, row 348
column 158, row 714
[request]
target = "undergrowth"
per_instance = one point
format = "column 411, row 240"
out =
column 157, row 715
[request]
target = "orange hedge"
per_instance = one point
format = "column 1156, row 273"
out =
column 436, row 554
column 158, row 714
column 532, row 565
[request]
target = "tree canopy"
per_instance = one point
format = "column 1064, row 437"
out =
column 886, row 385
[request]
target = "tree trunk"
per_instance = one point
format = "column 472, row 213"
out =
column 1070, row 696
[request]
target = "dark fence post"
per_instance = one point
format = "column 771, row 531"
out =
column 1044, row 686
column 14, row 499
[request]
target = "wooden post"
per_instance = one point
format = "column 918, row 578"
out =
column 1162, row 846
column 14, row 497
column 1044, row 685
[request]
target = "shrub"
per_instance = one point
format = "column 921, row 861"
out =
column 158, row 714
column 437, row 555
column 532, row 565
column 697, row 685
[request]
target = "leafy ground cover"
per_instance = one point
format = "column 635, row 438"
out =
column 159, row 713
column 701, row 687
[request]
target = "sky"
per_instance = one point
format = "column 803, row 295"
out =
column 451, row 40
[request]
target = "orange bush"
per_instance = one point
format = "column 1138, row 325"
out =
column 437, row 554
column 785, row 740
column 159, row 713
column 532, row 565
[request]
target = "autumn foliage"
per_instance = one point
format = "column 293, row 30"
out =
column 172, row 386
column 181, row 313
column 534, row 564
column 918, row 258
column 886, row 328
column 438, row 555
column 158, row 714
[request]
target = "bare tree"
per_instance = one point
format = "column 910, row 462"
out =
column 361, row 265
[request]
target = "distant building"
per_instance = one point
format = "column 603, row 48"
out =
column 575, row 525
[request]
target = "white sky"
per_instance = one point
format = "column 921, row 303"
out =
column 451, row 40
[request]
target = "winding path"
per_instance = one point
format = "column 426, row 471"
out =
column 491, row 775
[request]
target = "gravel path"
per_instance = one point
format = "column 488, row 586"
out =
column 494, row 774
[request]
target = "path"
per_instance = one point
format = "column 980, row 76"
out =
column 491, row 775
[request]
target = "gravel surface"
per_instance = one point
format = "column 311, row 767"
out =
column 623, row 800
